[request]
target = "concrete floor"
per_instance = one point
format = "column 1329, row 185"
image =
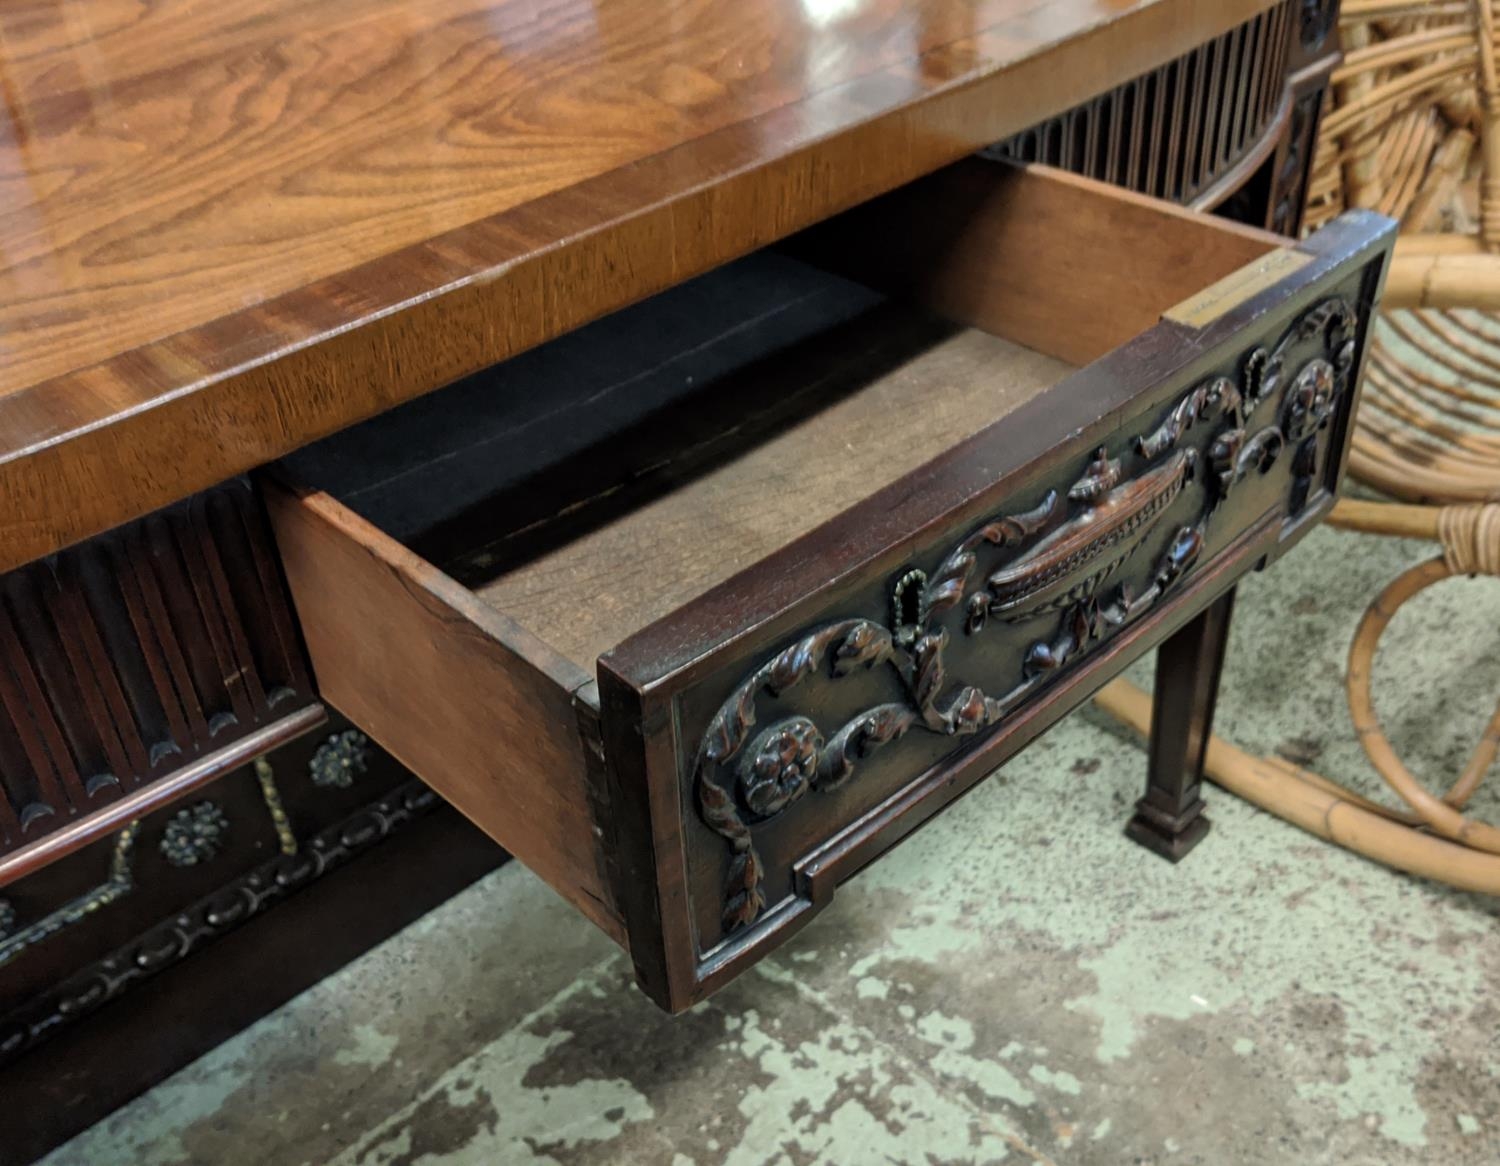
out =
column 1017, row 983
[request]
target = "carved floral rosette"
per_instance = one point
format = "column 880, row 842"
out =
column 1056, row 562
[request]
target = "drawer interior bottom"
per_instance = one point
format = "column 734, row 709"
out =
column 597, row 484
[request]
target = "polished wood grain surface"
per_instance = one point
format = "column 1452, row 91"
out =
column 230, row 227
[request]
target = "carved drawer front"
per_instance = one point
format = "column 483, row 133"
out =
column 702, row 608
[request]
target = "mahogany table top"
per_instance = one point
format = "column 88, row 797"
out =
column 230, row 227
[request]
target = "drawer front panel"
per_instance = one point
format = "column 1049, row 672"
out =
column 1122, row 502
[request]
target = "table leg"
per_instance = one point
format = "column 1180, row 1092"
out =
column 1169, row 819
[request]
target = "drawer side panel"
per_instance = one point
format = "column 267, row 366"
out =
column 458, row 693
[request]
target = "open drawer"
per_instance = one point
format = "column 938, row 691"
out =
column 701, row 608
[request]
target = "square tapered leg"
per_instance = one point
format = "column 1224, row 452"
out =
column 1169, row 819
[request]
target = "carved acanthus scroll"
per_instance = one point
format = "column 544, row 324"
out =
column 1065, row 555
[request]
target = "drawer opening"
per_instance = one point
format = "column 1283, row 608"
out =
column 593, row 486
column 678, row 444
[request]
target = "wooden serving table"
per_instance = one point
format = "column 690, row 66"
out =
column 696, row 608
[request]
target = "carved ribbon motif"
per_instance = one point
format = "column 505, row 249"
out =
column 1065, row 556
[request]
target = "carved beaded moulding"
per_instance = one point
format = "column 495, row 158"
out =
column 1058, row 561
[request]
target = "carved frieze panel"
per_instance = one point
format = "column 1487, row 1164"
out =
column 178, row 883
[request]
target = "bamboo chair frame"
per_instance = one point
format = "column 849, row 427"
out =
column 1413, row 130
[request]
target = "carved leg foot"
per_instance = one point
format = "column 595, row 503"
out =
column 1171, row 837
column 1169, row 820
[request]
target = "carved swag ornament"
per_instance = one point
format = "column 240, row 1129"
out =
column 1065, row 553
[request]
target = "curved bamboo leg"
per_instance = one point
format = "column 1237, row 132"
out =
column 1393, row 518
column 1440, row 814
column 1331, row 815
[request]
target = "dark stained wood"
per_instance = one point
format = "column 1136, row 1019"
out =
column 177, row 785
column 1292, row 167
column 87, row 1072
column 896, row 818
column 1132, row 135
column 1169, row 820
column 1056, row 262
column 320, row 243
column 892, row 751
column 231, row 228
column 883, row 526
column 102, row 715
column 465, row 697
column 124, row 996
